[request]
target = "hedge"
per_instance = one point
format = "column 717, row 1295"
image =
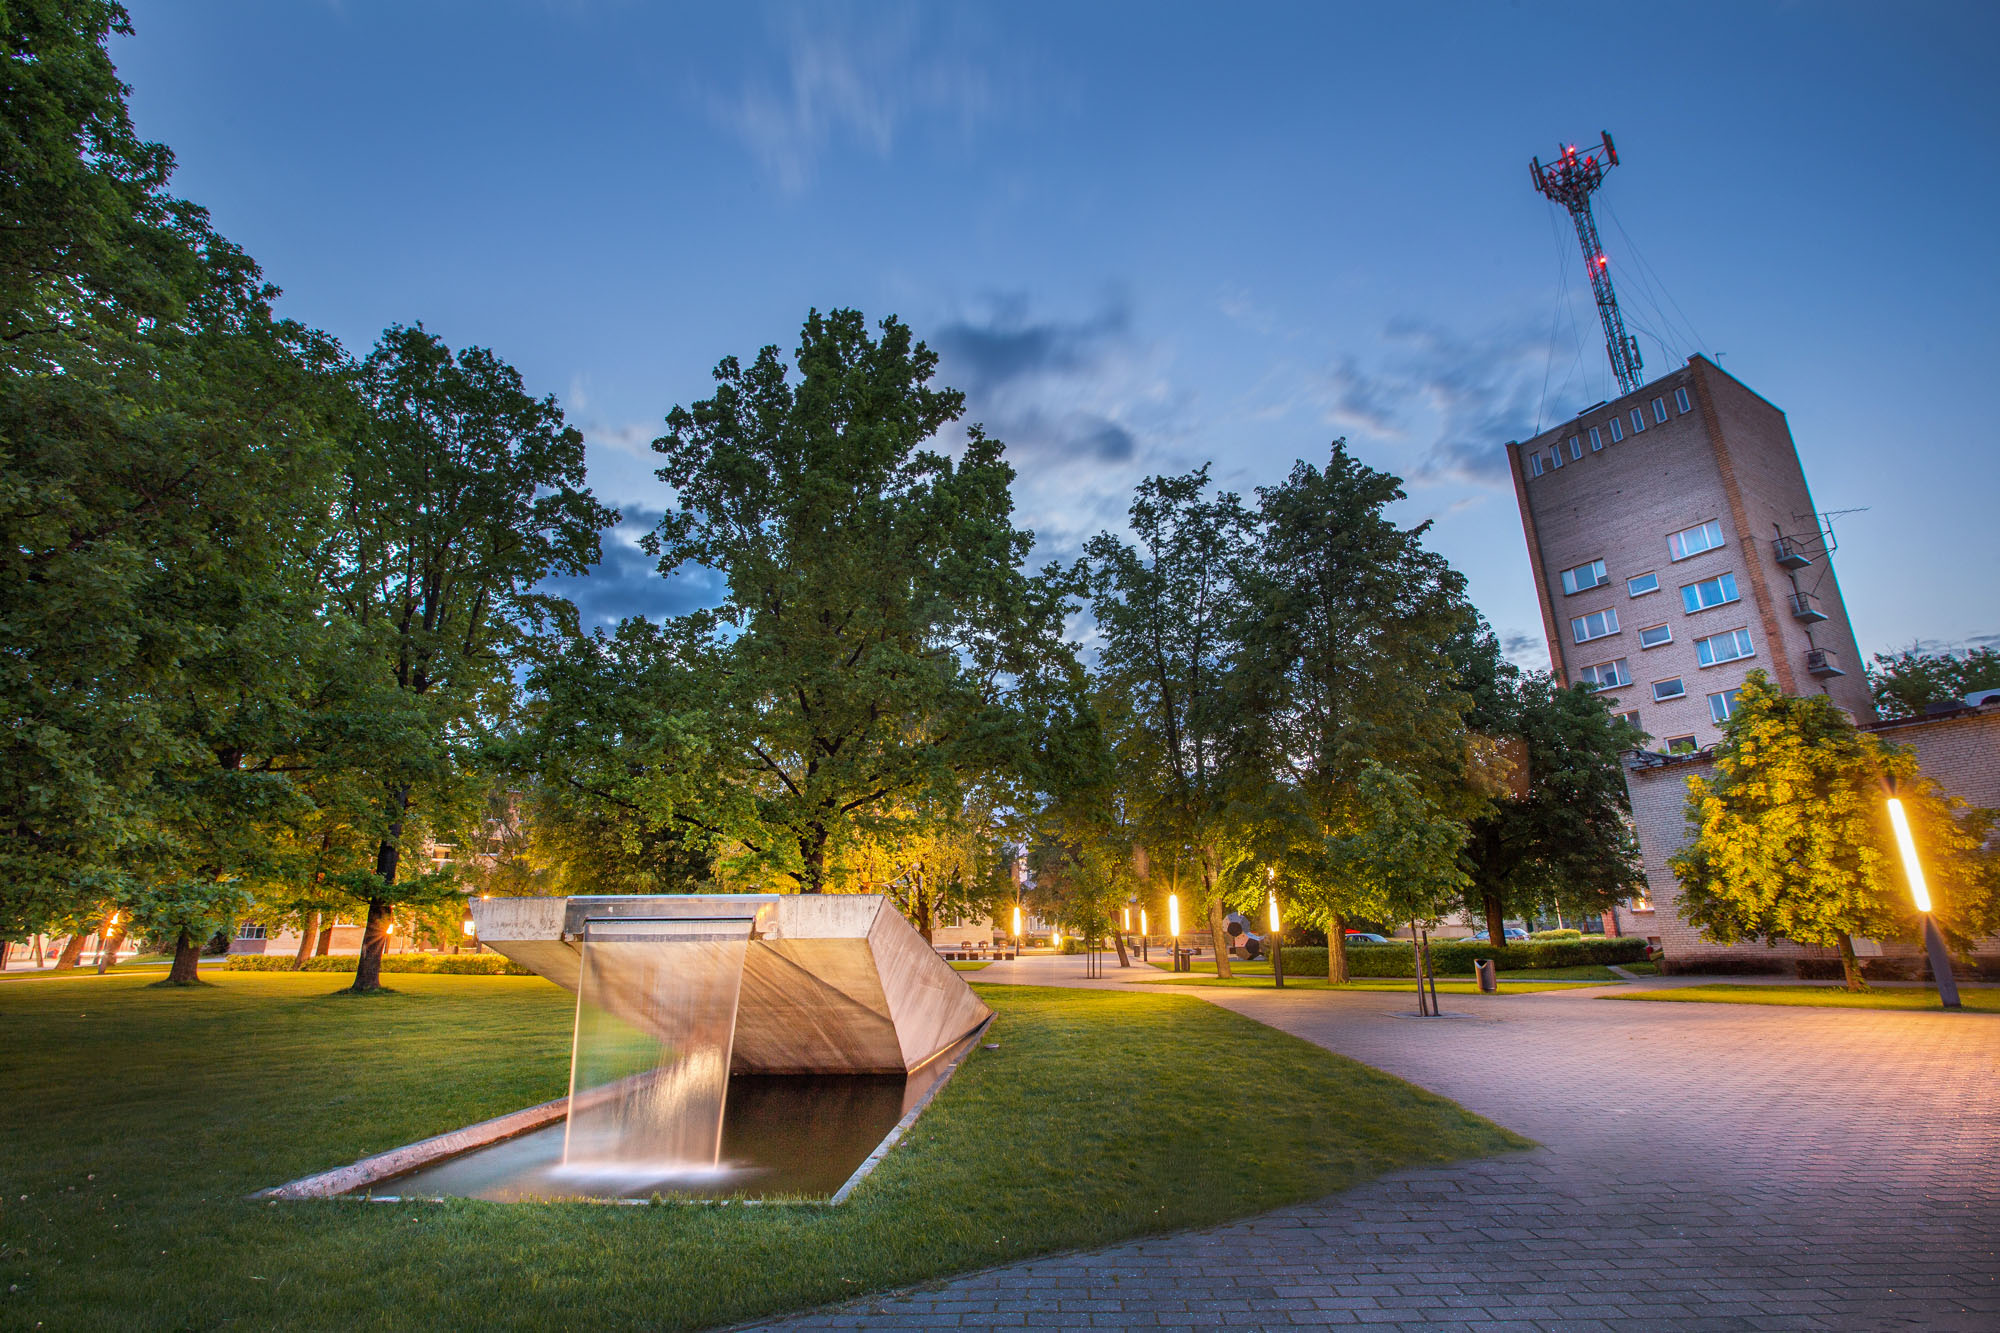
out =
column 1453, row 958
column 453, row 964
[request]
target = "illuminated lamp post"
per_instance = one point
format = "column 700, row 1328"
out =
column 1174, row 928
column 1017, row 928
column 1921, row 893
column 1277, row 939
column 1144, row 955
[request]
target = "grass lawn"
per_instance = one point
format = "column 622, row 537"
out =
column 969, row 964
column 1986, row 1001
column 1642, row 969
column 136, row 1119
column 1445, row 985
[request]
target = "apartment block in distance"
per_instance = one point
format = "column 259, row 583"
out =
column 1676, row 548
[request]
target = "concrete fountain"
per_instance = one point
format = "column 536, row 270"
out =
column 726, row 1046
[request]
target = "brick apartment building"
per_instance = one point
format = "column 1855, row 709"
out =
column 1676, row 548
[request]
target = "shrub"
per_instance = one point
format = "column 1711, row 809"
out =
column 1564, row 934
column 449, row 964
column 1453, row 958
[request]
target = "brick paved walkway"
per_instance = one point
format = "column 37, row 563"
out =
column 1703, row 1167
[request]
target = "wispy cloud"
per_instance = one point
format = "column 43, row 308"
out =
column 627, row 581
column 847, row 83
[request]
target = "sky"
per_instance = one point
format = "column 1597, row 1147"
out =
column 1147, row 236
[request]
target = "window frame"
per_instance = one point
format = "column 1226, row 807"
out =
column 1681, row 400
column 1673, row 538
column 244, row 929
column 1739, row 637
column 1643, row 592
column 1609, row 616
column 1644, row 630
column 1556, row 456
column 1596, row 440
column 1725, row 582
column 1638, row 421
column 1726, row 699
column 1571, row 587
column 1535, row 463
column 1680, row 689
column 1659, row 411
column 1575, row 449
column 1685, row 744
column 1617, row 431
column 1621, row 674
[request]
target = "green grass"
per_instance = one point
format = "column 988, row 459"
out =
column 1642, row 969
column 1260, row 974
column 968, row 965
column 1445, row 985
column 135, row 1120
column 1830, row 997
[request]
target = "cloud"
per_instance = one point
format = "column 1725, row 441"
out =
column 843, row 85
column 1004, row 345
column 627, row 581
column 1525, row 650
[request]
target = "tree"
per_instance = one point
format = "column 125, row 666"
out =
column 1791, row 837
column 462, row 494
column 1342, row 665
column 1557, row 833
column 167, row 451
column 879, row 650
column 1907, row 683
column 1165, row 608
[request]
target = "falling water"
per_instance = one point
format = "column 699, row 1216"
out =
column 655, row 1022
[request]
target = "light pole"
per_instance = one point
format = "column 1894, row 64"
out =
column 1277, row 938
column 1017, row 930
column 1921, row 893
column 1174, row 926
column 1145, row 955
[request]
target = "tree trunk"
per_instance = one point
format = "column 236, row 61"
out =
column 308, row 938
column 72, row 951
column 374, row 942
column 1850, row 966
column 1218, row 933
column 187, row 957
column 1118, row 938
column 1496, row 925
column 108, row 953
column 324, row 948
column 812, row 862
column 1336, row 949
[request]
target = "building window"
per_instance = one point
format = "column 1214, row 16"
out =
column 1680, row 745
column 1681, row 400
column 1641, row 584
column 247, row 931
column 1584, row 577
column 1607, row 675
column 1556, row 456
column 1535, row 464
column 1575, row 448
column 1693, row 541
column 1596, row 440
column 1721, row 706
column 1642, row 903
column 1617, row 431
column 1724, row 647
column 1664, row 690
column 1596, row 625
column 1632, row 717
column 1638, row 419
column 1718, row 591
column 1654, row 636
column 1660, row 410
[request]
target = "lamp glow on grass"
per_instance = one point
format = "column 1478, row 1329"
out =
column 137, row 1120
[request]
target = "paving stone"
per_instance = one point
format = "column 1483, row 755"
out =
column 1702, row 1167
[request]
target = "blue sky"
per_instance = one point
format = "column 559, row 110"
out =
column 1144, row 236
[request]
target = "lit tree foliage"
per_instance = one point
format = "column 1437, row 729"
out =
column 1792, row 839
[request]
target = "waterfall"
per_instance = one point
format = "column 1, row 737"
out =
column 655, row 1022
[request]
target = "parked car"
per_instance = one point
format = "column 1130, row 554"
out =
column 1513, row 933
column 1365, row 937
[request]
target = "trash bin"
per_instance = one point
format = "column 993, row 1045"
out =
column 1483, row 969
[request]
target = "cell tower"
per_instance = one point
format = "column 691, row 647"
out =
column 1570, row 180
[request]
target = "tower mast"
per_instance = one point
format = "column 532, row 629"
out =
column 1570, row 180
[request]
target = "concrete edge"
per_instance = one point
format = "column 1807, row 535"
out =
column 966, row 1045
column 382, row 1166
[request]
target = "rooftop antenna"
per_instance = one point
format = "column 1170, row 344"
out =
column 1570, row 180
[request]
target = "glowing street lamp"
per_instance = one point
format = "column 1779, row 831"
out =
column 1144, row 933
column 1920, row 892
column 1174, row 926
column 1277, row 937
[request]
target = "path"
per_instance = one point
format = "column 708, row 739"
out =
column 1703, row 1167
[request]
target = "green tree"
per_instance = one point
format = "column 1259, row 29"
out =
column 1905, row 684
column 463, row 493
column 1342, row 665
column 880, row 648
column 1557, row 832
column 1166, row 607
column 1791, row 837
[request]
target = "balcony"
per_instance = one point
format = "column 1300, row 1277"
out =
column 1790, row 553
column 1805, row 608
column 1820, row 664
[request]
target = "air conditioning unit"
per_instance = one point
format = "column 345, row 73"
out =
column 1980, row 698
